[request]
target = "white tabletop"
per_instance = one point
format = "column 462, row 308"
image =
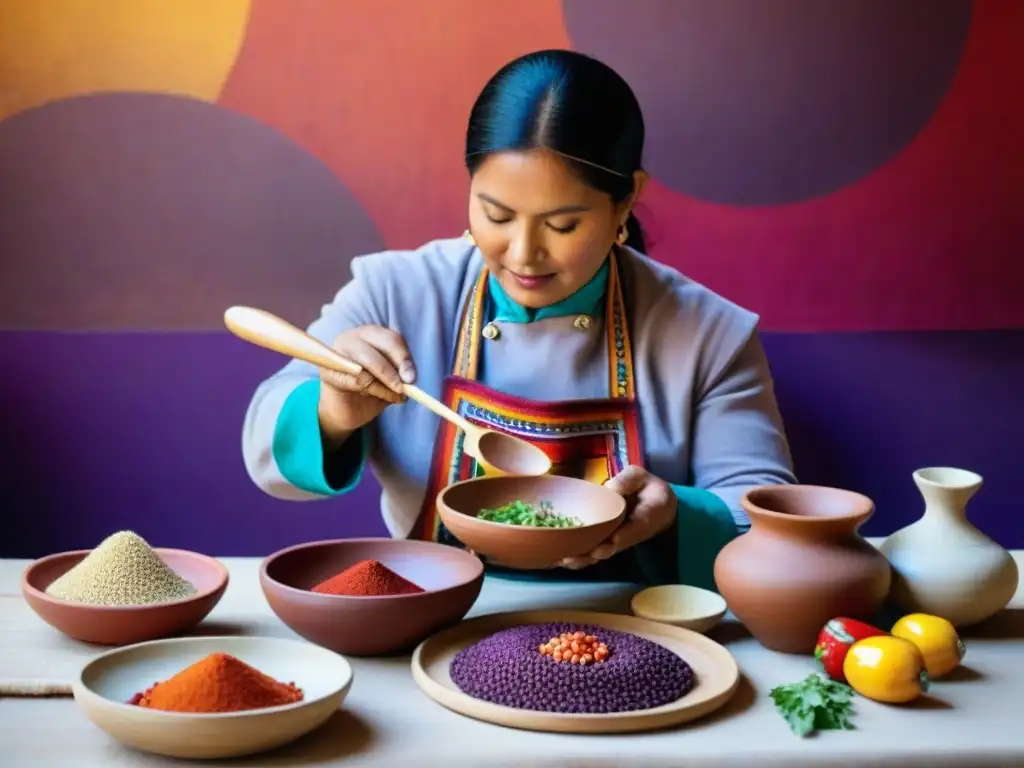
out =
column 976, row 719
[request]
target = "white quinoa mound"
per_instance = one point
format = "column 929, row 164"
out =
column 122, row 570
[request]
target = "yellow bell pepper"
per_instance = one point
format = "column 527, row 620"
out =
column 935, row 638
column 886, row 669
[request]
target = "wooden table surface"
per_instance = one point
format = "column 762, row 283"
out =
column 974, row 719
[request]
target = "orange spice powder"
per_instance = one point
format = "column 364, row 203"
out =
column 218, row 683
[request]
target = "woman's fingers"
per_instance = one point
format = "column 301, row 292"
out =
column 363, row 384
column 650, row 510
column 628, row 481
column 393, row 347
column 384, row 357
column 376, row 366
column 576, row 563
column 653, row 513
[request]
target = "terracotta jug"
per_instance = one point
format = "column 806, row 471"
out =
column 802, row 563
column 942, row 564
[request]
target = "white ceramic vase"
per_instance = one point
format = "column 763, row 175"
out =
column 942, row 564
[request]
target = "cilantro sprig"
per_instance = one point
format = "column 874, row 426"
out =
column 814, row 704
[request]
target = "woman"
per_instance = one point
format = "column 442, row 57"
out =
column 545, row 320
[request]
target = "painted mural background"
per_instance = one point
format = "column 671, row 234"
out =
column 853, row 172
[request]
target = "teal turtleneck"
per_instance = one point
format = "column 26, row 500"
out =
column 684, row 555
column 587, row 300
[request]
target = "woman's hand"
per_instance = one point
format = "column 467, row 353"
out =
column 650, row 510
column 348, row 402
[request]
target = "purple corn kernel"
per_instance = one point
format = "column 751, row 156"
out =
column 506, row 668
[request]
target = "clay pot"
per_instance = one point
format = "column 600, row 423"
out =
column 802, row 563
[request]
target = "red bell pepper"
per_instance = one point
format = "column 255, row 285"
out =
column 835, row 639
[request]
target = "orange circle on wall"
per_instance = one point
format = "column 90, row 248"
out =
column 59, row 48
column 381, row 92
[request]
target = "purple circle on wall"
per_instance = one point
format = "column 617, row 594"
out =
column 138, row 211
column 765, row 102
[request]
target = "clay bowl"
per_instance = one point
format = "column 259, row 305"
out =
column 371, row 626
column 600, row 509
column 122, row 625
column 106, row 682
column 680, row 605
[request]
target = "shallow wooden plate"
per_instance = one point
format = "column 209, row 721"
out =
column 716, row 672
column 109, row 680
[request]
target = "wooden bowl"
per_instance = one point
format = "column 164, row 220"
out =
column 680, row 605
column 109, row 680
column 371, row 626
column 601, row 510
column 125, row 624
column 716, row 672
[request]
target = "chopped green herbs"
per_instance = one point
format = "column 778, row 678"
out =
column 814, row 704
column 524, row 513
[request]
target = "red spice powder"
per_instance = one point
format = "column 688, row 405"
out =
column 368, row 578
column 218, row 683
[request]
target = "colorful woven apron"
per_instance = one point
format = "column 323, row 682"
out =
column 589, row 439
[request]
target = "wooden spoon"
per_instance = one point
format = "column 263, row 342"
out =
column 499, row 453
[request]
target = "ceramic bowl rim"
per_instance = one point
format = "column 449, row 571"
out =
column 796, row 488
column 530, row 530
column 123, row 706
column 287, row 588
column 969, row 479
column 223, row 578
column 670, row 617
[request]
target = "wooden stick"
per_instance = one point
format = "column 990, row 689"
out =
column 271, row 332
column 28, row 688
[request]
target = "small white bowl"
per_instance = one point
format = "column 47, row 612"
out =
column 108, row 681
column 681, row 606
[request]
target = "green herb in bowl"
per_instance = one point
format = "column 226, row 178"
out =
column 526, row 514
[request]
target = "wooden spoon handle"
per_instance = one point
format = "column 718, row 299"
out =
column 427, row 401
column 271, row 332
column 263, row 329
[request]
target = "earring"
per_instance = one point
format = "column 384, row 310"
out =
column 469, row 236
column 623, row 235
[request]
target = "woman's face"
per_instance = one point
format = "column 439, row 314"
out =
column 542, row 232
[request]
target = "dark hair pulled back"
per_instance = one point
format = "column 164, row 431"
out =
column 571, row 104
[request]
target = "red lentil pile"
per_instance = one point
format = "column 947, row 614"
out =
column 368, row 578
column 575, row 648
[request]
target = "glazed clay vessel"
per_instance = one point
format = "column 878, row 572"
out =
column 942, row 564
column 802, row 563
